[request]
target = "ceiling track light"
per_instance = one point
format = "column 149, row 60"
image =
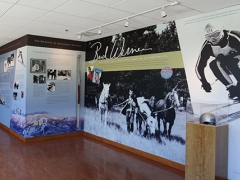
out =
column 126, row 24
column 99, row 31
column 79, row 36
column 174, row 3
column 163, row 13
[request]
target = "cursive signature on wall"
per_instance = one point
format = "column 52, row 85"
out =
column 115, row 52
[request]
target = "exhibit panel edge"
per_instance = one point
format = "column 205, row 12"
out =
column 218, row 99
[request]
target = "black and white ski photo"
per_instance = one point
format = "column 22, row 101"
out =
column 212, row 65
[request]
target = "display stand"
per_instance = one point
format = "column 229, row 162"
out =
column 220, row 110
column 206, row 151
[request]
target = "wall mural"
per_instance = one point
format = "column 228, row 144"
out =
column 50, row 76
column 210, row 45
column 10, row 90
column 212, row 64
column 140, row 96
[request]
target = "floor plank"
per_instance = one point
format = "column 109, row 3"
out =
column 75, row 158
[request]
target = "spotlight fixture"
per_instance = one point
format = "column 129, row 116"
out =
column 99, row 31
column 174, row 3
column 126, row 23
column 79, row 36
column 163, row 13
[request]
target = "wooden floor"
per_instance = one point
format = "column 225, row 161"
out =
column 75, row 158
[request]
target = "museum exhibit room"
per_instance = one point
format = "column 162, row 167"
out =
column 119, row 90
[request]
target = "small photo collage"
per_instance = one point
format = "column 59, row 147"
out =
column 43, row 75
column 94, row 74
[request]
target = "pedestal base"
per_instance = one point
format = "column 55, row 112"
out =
column 206, row 151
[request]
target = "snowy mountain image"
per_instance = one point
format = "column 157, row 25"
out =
column 34, row 125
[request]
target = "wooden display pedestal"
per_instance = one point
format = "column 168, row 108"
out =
column 206, row 151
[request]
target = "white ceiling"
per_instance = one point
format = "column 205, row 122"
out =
column 64, row 18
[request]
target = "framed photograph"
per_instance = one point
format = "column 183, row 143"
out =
column 15, row 95
column 64, row 75
column 51, row 74
column 5, row 67
column 51, row 86
column 97, row 75
column 37, row 65
column 41, row 79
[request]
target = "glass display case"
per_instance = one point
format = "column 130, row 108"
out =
column 224, row 112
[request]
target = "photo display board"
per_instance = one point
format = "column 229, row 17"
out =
column 51, row 95
column 210, row 46
column 135, row 86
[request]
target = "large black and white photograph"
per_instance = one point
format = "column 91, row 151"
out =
column 143, row 41
column 212, row 66
column 139, row 109
column 210, row 50
column 143, row 109
column 37, row 65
